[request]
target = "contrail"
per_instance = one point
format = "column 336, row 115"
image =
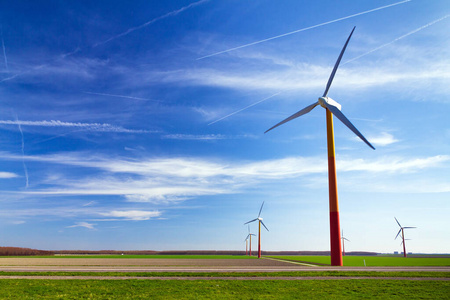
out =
column 121, row 96
column 353, row 59
column 4, row 50
column 397, row 39
column 20, row 74
column 172, row 13
column 78, row 49
column 233, row 113
column 23, row 153
column 303, row 29
column 98, row 127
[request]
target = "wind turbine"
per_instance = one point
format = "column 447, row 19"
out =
column 259, row 219
column 332, row 108
column 402, row 231
column 343, row 246
column 249, row 236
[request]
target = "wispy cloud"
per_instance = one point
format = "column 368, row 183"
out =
column 393, row 164
column 170, row 14
column 97, row 127
column 121, row 96
column 303, row 29
column 89, row 203
column 194, row 168
column 395, row 40
column 242, row 109
column 4, row 50
column 205, row 137
column 23, row 153
column 308, row 77
column 166, row 180
column 132, row 215
column 83, row 224
column 94, row 214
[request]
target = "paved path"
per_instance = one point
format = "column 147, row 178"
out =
column 213, row 269
column 180, row 265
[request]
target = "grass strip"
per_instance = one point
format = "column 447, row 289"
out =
column 371, row 261
column 238, row 274
column 221, row 289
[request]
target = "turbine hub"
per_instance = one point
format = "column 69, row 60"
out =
column 328, row 100
column 260, row 219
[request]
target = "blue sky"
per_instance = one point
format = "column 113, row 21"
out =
column 141, row 125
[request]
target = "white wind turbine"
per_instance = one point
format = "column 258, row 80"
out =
column 402, row 231
column 331, row 108
column 260, row 221
column 248, row 239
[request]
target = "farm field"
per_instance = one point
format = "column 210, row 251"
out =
column 361, row 261
column 151, row 256
column 186, row 277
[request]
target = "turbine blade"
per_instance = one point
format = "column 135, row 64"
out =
column 336, row 65
column 398, row 233
column 296, row 115
column 398, row 222
column 346, row 239
column 346, row 122
column 260, row 209
column 251, row 221
column 409, row 227
column 264, row 225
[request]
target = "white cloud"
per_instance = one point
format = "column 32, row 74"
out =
column 155, row 199
column 83, row 224
column 393, row 164
column 133, row 215
column 195, row 168
column 8, row 175
column 165, row 180
column 304, row 77
column 383, row 140
column 204, row 137
column 19, row 222
column 69, row 212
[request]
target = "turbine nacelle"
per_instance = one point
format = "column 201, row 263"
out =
column 323, row 101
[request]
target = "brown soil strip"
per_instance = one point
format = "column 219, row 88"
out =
column 155, row 262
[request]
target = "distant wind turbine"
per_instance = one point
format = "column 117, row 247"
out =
column 260, row 221
column 343, row 246
column 402, row 231
column 332, row 108
column 249, row 239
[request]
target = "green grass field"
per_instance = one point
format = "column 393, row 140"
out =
column 222, row 289
column 372, row 261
